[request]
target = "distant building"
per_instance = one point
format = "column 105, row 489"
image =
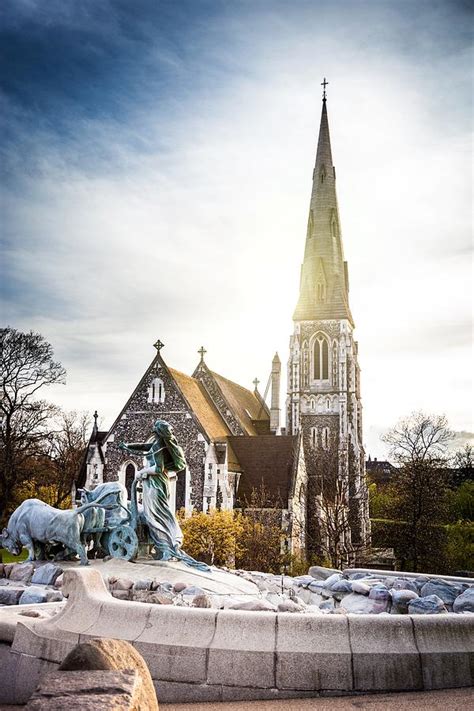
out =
column 380, row 471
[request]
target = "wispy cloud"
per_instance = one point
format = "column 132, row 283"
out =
column 157, row 162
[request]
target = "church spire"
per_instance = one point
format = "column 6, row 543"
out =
column 324, row 282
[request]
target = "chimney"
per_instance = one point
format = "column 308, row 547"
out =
column 275, row 408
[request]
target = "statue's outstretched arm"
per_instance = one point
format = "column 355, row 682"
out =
column 136, row 447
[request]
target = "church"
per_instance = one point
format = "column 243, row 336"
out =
column 313, row 468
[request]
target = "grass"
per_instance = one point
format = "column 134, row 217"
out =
column 6, row 557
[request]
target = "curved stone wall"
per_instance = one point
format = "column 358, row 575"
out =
column 204, row 654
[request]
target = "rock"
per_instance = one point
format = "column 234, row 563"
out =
column 10, row 595
column 33, row 595
column 59, row 581
column 357, row 576
column 317, row 587
column 360, row 604
column 154, row 597
column 303, row 580
column 2, row 570
column 98, row 690
column 164, row 585
column 253, row 605
column 22, row 572
column 341, row 586
column 420, row 581
column 46, row 574
column 144, row 584
column 54, row 596
column 4, row 581
column 429, row 605
column 359, row 587
column 401, row 600
column 30, row 613
column 327, row 604
column 121, row 594
column 379, row 594
column 193, row 590
column 113, row 654
column 179, row 587
column 201, row 601
column 123, row 584
column 465, row 601
column 331, row 580
column 320, row 573
column 7, row 569
column 290, row 606
column 403, row 584
column 444, row 590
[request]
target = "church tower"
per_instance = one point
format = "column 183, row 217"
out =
column 324, row 400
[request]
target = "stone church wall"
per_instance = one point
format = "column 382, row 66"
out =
column 135, row 425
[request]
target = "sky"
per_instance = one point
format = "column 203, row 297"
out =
column 156, row 162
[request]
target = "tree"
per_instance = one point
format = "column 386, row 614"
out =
column 212, row 537
column 418, row 445
column 27, row 366
column 463, row 464
column 262, row 532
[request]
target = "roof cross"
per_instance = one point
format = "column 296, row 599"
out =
column 256, row 382
column 324, row 84
column 158, row 345
column 202, row 351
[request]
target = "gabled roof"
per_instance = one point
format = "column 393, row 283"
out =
column 246, row 406
column 201, row 404
column 266, row 460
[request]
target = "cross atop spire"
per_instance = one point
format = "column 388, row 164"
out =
column 202, row 351
column 324, row 84
column 158, row 345
column 256, row 382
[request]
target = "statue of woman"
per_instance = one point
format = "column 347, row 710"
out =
column 163, row 454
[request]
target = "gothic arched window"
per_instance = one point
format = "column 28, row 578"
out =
column 321, row 358
column 314, row 436
column 325, row 438
column 156, row 391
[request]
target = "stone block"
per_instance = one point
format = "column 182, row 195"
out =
column 169, row 692
column 8, row 665
column 384, row 654
column 86, row 594
column 29, row 671
column 175, row 641
column 100, row 690
column 320, row 573
column 242, row 651
column 33, row 595
column 10, row 595
column 46, row 574
column 313, row 653
column 22, row 572
column 446, row 646
column 43, row 638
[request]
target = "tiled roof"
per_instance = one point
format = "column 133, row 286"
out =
column 201, row 405
column 245, row 405
column 267, row 459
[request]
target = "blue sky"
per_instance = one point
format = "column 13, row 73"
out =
column 156, row 163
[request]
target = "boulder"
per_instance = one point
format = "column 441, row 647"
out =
column 429, row 605
column 22, row 572
column 179, row 587
column 332, row 579
column 192, row 591
column 59, row 581
column 465, row 601
column 10, row 595
column 341, row 586
column 379, row 593
column 320, row 573
column 201, row 601
column 54, row 596
column 253, row 605
column 327, row 605
column 290, row 606
column 7, row 569
column 402, row 584
column 144, row 584
column 33, row 595
column 113, row 654
column 121, row 594
column 444, row 590
column 303, row 580
column 401, row 600
column 359, row 587
column 46, row 574
column 123, row 583
column 360, row 604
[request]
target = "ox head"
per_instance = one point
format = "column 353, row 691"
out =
column 7, row 541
